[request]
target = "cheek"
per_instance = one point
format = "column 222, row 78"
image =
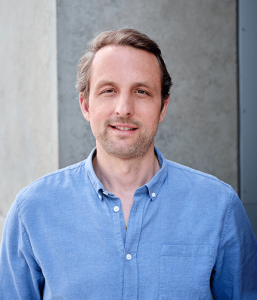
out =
column 97, row 121
column 151, row 115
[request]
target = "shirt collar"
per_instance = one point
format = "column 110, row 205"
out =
column 152, row 187
column 97, row 184
column 157, row 181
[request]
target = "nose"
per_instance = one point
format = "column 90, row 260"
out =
column 125, row 105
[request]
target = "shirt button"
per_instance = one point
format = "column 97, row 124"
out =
column 116, row 208
column 128, row 256
column 153, row 195
column 100, row 197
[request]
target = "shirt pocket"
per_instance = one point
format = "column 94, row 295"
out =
column 185, row 272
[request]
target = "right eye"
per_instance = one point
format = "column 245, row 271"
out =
column 109, row 91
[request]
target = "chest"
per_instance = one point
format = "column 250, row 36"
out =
column 99, row 259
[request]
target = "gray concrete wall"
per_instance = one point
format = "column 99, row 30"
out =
column 198, row 41
column 28, row 96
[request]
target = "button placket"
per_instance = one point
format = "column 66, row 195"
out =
column 131, row 245
column 115, row 211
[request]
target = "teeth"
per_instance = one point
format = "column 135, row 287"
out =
column 124, row 128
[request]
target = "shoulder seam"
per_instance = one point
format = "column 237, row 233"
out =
column 52, row 174
column 199, row 173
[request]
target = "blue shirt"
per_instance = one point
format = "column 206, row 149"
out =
column 188, row 235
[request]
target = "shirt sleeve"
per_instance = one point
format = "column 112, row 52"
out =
column 235, row 273
column 20, row 275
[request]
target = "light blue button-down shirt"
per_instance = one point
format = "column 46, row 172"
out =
column 188, row 234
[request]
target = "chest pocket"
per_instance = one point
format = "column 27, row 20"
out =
column 185, row 272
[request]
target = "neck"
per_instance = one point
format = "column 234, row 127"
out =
column 120, row 176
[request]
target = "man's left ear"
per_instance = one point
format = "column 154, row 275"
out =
column 164, row 109
column 84, row 106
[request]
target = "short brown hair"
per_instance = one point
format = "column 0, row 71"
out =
column 122, row 37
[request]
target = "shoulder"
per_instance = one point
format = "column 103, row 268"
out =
column 53, row 187
column 183, row 177
column 194, row 177
column 56, row 179
column 200, row 186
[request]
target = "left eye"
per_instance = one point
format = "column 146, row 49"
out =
column 109, row 91
column 141, row 92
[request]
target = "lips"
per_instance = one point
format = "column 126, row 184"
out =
column 123, row 128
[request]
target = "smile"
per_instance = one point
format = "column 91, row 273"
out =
column 123, row 128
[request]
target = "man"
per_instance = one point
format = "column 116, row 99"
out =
column 126, row 223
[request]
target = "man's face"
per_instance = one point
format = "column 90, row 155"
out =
column 124, row 101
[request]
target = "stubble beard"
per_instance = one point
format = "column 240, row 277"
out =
column 126, row 151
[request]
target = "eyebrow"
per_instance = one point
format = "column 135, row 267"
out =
column 145, row 83
column 104, row 82
column 141, row 83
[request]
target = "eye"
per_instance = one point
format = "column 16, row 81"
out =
column 109, row 91
column 142, row 92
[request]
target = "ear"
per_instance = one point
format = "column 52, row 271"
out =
column 84, row 107
column 164, row 109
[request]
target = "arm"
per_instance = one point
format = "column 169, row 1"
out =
column 235, row 273
column 20, row 275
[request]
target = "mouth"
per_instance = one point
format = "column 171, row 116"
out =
column 123, row 128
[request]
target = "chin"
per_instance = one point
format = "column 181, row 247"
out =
column 127, row 152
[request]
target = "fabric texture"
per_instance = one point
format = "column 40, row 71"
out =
column 188, row 234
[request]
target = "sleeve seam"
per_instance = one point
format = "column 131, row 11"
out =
column 24, row 232
column 232, row 196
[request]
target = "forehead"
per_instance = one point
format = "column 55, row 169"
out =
column 125, row 64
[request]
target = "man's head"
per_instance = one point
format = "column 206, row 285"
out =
column 124, row 92
column 122, row 37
